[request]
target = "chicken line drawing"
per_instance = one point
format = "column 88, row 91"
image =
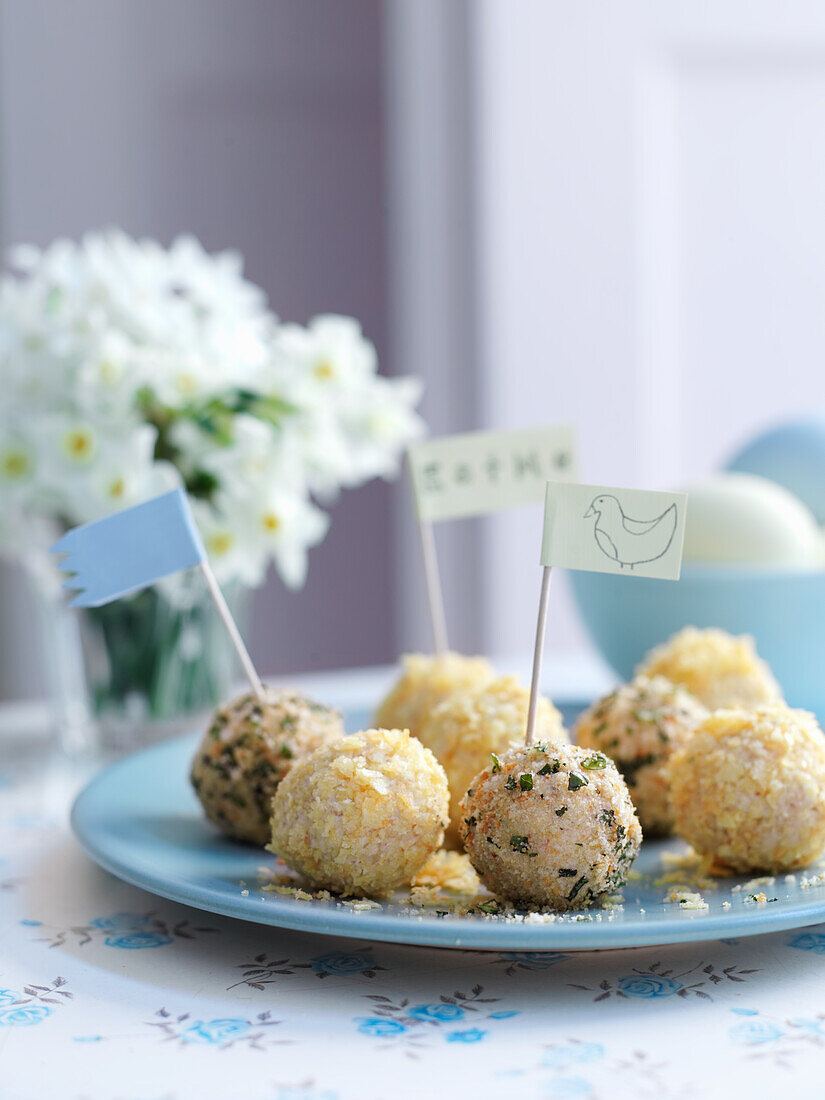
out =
column 630, row 541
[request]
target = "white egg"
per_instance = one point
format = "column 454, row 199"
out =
column 734, row 517
column 792, row 455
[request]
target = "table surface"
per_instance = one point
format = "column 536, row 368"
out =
column 110, row 993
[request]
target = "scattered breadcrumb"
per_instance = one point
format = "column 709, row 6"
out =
column 447, row 868
column 540, row 918
column 751, row 884
column 426, row 897
column 448, row 885
column 687, row 899
column 296, row 891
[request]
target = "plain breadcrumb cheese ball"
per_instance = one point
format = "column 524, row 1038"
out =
column 424, row 682
column 469, row 725
column 551, row 825
column 363, row 815
column 719, row 669
column 748, row 789
column 639, row 726
column 249, row 747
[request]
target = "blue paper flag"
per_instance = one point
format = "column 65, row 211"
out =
column 131, row 549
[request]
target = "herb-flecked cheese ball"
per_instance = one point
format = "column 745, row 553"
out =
column 720, row 670
column 363, row 815
column 639, row 726
column 249, row 747
column 551, row 825
column 748, row 789
column 424, row 682
column 468, row 725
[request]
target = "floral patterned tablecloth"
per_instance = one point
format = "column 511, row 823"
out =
column 109, row 993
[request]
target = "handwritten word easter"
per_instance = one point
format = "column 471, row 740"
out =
column 480, row 472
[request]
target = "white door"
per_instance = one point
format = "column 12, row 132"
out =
column 651, row 234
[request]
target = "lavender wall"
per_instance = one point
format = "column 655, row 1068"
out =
column 255, row 124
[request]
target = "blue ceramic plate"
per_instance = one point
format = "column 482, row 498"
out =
column 140, row 820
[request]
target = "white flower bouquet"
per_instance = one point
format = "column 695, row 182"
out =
column 128, row 369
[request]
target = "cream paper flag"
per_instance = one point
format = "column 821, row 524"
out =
column 600, row 529
column 474, row 474
column 477, row 473
column 636, row 532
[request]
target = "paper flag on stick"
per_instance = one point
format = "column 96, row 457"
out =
column 477, row 473
column 132, row 549
column 603, row 530
column 481, row 472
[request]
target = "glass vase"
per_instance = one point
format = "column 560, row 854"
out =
column 156, row 663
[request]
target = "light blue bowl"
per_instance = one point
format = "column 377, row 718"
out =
column 784, row 611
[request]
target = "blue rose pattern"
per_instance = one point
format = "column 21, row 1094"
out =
column 119, row 921
column 33, row 1004
column 648, row 985
column 24, row 1015
column 127, row 931
column 532, row 960
column 137, row 939
column 813, row 1028
column 471, row 1035
column 220, row 1033
column 441, row 1012
column 337, row 962
column 378, row 1027
column 215, row 1032
column 755, row 1031
column 418, row 1024
column 808, row 941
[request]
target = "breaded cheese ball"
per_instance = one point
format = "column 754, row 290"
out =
column 363, row 815
column 249, row 747
column 424, row 682
column 551, row 825
column 468, row 725
column 717, row 668
column 748, row 789
column 639, row 726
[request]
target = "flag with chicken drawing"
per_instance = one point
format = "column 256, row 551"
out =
column 609, row 530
